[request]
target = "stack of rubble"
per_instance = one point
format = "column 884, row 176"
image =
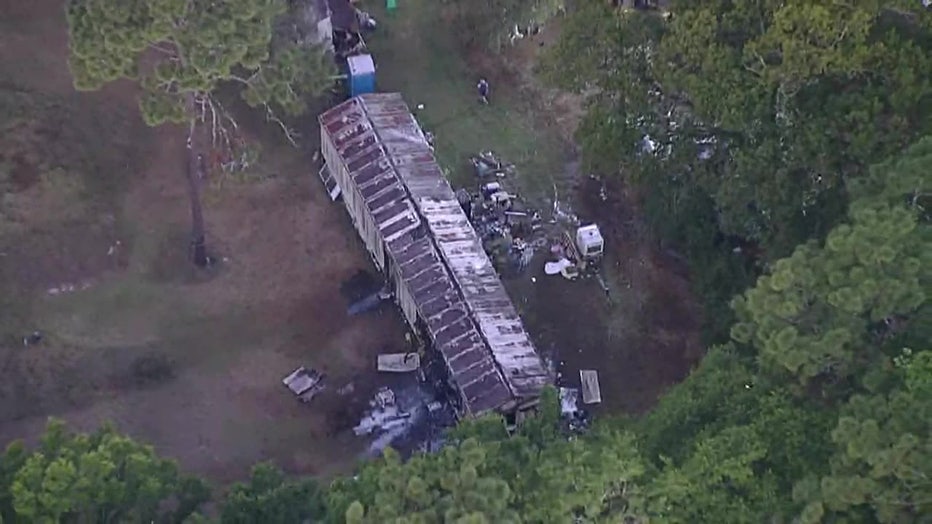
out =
column 507, row 226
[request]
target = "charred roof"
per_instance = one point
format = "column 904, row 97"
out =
column 470, row 318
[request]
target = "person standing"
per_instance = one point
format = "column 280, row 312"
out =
column 483, row 88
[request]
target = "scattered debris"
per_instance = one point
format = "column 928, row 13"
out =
column 348, row 389
column 69, row 288
column 32, row 339
column 384, row 398
column 366, row 21
column 569, row 401
column 577, row 420
column 408, row 418
column 509, row 230
column 399, row 362
column 384, row 416
column 304, row 383
column 591, row 394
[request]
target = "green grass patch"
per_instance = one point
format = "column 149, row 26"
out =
column 417, row 54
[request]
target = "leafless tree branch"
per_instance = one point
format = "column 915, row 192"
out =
column 290, row 134
column 219, row 132
column 164, row 50
column 226, row 115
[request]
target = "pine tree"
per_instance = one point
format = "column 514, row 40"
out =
column 180, row 52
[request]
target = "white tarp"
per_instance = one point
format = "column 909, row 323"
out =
column 557, row 267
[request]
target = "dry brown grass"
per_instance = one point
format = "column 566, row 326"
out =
column 188, row 361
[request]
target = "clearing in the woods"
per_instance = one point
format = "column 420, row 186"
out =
column 647, row 338
column 93, row 225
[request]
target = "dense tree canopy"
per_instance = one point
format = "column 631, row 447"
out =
column 269, row 496
column 759, row 115
column 883, row 454
column 796, row 96
column 824, row 311
column 100, row 477
column 180, row 52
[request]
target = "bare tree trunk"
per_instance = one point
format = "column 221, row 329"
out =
column 194, row 172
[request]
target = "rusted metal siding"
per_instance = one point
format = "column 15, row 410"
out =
column 443, row 271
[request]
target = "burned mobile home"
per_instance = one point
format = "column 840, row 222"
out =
column 421, row 240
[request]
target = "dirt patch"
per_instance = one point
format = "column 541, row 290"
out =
column 190, row 363
column 647, row 337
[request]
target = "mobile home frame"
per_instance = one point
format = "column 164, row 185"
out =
column 421, row 240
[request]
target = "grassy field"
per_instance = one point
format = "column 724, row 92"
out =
column 417, row 55
column 643, row 340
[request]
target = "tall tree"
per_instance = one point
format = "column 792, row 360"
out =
column 555, row 478
column 11, row 461
column 269, row 497
column 819, row 312
column 728, row 446
column 444, row 487
column 759, row 114
column 882, row 466
column 180, row 52
column 100, row 477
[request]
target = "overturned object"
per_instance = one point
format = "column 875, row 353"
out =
column 304, row 383
column 399, row 362
column 591, row 394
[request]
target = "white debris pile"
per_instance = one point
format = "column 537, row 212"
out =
column 384, row 417
column 569, row 401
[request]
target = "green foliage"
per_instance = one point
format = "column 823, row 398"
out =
column 444, row 487
column 883, row 455
column 812, row 315
column 717, row 393
column 728, row 447
column 100, row 477
column 181, row 51
column 269, row 497
column 11, row 461
column 763, row 114
column 717, row 483
column 554, row 477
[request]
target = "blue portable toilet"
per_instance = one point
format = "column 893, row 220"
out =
column 361, row 74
